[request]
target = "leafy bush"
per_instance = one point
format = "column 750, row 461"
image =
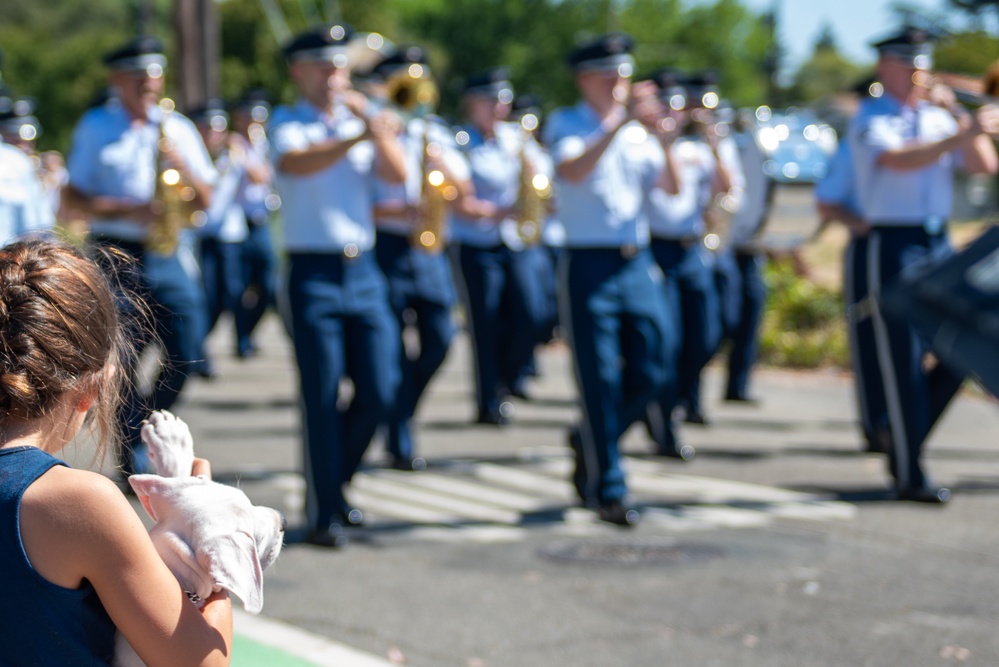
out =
column 803, row 326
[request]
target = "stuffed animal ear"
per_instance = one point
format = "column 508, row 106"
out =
column 148, row 488
column 232, row 562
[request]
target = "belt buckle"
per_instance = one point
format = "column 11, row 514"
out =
column 629, row 250
column 351, row 251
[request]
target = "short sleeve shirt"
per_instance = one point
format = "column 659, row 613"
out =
column 327, row 210
column 607, row 208
column 901, row 196
column 24, row 207
column 418, row 132
column 113, row 155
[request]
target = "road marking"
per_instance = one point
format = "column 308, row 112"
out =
column 315, row 650
column 471, row 501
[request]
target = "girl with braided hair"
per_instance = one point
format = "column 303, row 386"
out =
column 75, row 560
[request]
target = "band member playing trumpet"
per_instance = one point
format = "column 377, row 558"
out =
column 409, row 248
column 677, row 224
column 612, row 301
column 504, row 303
column 121, row 152
column 327, row 150
column 904, row 150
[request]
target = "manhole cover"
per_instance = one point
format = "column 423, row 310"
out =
column 630, row 553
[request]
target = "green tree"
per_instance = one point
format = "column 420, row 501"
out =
column 826, row 73
column 966, row 53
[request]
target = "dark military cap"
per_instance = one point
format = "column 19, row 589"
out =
column 493, row 82
column 403, row 56
column 255, row 102
column 144, row 53
column 671, row 89
column 607, row 53
column 912, row 45
column 211, row 113
column 701, row 88
column 526, row 103
column 326, row 44
column 17, row 117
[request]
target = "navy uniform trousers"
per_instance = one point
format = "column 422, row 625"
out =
column 171, row 312
column 505, row 307
column 421, row 283
column 617, row 323
column 341, row 326
column 743, row 296
column 222, row 275
column 915, row 396
column 259, row 277
column 863, row 346
column 693, row 300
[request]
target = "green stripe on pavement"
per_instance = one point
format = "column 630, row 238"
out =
column 248, row 653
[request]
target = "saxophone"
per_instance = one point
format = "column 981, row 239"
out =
column 534, row 193
column 435, row 194
column 173, row 198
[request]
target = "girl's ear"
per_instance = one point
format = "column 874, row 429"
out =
column 88, row 397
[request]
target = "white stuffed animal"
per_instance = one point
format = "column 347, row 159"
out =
column 210, row 535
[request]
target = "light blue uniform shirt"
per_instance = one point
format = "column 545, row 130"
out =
column 24, row 208
column 838, row 186
column 255, row 198
column 681, row 216
column 747, row 220
column 607, row 208
column 495, row 173
column 410, row 192
column 113, row 157
column 328, row 210
column 225, row 218
column 895, row 196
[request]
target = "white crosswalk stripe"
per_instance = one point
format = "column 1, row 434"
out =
column 491, row 502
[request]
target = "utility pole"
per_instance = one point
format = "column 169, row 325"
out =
column 197, row 51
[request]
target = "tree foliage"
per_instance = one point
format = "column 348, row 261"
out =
column 826, row 73
column 54, row 47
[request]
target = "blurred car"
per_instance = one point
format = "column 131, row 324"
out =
column 797, row 145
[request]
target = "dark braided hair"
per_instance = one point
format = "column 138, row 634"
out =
column 59, row 331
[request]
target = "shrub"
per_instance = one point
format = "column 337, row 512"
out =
column 803, row 326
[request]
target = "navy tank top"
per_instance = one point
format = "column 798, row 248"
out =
column 41, row 623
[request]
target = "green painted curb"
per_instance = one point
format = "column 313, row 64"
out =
column 248, row 653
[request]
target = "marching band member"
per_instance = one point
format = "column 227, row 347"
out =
column 504, row 303
column 836, row 199
column 326, row 150
column 612, row 299
column 113, row 179
column 677, row 224
column 419, row 276
column 257, row 198
column 744, row 260
column 904, row 152
column 223, row 237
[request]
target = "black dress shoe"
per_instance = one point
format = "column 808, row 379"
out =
column 617, row 513
column 414, row 464
column 679, row 451
column 740, row 398
column 695, row 417
column 934, row 495
column 329, row 536
column 492, row 418
column 351, row 517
